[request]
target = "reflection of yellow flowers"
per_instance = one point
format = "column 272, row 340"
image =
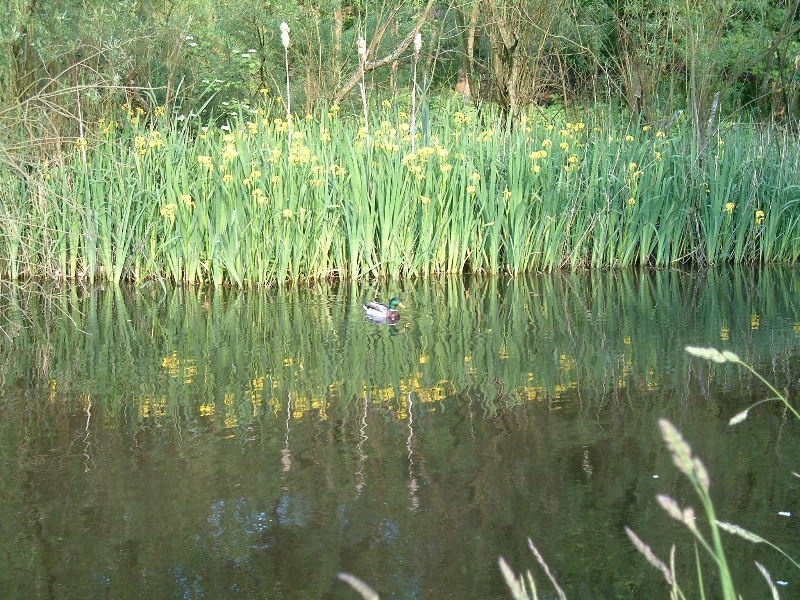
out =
column 760, row 217
column 566, row 362
column 729, row 206
column 172, row 362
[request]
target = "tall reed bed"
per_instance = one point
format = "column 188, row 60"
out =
column 269, row 198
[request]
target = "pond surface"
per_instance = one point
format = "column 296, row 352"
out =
column 187, row 443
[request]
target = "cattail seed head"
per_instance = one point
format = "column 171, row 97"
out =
column 285, row 34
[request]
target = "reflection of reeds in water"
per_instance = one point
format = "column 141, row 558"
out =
column 564, row 341
column 706, row 532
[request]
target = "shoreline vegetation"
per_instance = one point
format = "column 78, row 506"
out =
column 267, row 198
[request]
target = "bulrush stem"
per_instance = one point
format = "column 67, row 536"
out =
column 285, row 41
column 362, row 56
column 413, row 120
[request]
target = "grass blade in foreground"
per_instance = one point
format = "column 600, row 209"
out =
column 695, row 471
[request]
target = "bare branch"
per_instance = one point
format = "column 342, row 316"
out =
column 389, row 58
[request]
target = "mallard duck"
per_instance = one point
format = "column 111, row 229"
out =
column 383, row 313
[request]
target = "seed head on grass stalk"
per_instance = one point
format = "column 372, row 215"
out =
column 518, row 585
column 695, row 471
column 727, row 356
column 647, row 552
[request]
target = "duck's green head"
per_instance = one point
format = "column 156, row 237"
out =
column 394, row 303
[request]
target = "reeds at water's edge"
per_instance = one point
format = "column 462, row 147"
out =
column 269, row 199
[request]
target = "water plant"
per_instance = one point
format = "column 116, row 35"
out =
column 239, row 205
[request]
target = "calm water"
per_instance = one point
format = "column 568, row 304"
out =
column 201, row 444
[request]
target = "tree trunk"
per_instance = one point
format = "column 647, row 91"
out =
column 505, row 64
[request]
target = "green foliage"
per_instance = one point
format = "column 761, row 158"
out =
column 247, row 204
column 199, row 56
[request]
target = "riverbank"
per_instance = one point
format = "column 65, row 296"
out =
column 261, row 200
